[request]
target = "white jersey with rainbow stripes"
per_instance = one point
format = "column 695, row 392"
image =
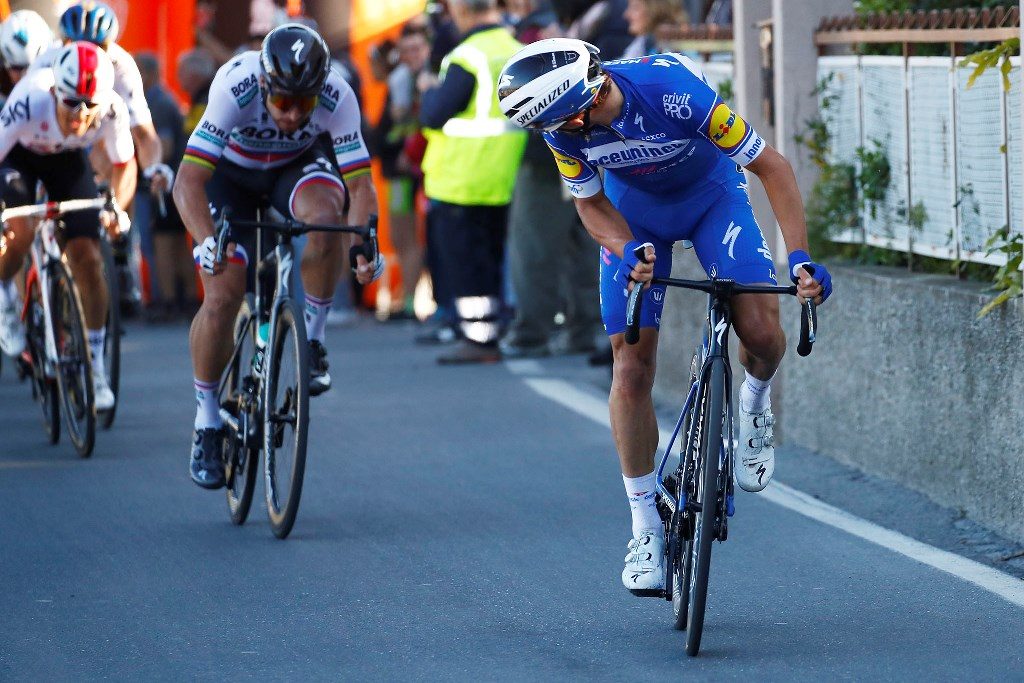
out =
column 237, row 127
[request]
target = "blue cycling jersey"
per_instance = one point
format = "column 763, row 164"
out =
column 673, row 133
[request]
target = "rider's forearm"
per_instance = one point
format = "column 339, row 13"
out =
column 604, row 223
column 147, row 145
column 362, row 202
column 122, row 181
column 363, row 199
column 190, row 197
column 780, row 185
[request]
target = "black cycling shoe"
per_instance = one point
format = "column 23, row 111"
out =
column 319, row 378
column 206, row 465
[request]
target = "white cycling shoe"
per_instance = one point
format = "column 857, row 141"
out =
column 756, row 450
column 644, row 573
column 102, row 395
column 12, row 331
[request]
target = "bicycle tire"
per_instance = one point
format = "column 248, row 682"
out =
column 287, row 339
column 241, row 463
column 682, row 560
column 704, row 524
column 74, row 370
column 112, row 342
column 44, row 389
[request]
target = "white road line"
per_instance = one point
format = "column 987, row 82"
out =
column 524, row 366
column 1005, row 586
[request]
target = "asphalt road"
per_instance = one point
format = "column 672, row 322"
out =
column 455, row 525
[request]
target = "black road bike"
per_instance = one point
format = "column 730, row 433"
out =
column 696, row 500
column 264, row 394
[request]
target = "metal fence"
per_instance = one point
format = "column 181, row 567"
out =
column 953, row 151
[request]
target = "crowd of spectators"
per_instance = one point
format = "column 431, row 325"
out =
column 534, row 233
column 538, row 231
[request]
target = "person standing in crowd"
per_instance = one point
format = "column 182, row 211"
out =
column 196, row 69
column 398, row 123
column 469, row 170
column 644, row 16
column 546, row 236
column 171, row 252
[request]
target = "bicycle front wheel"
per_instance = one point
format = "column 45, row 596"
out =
column 706, row 494
column 285, row 417
column 74, row 369
column 44, row 387
column 241, row 459
column 112, row 342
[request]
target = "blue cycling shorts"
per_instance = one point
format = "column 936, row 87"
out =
column 716, row 218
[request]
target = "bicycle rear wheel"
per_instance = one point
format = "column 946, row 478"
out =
column 112, row 343
column 44, row 388
column 74, row 370
column 706, row 494
column 241, row 459
column 285, row 417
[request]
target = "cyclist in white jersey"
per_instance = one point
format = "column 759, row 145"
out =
column 281, row 128
column 50, row 119
column 23, row 36
column 96, row 23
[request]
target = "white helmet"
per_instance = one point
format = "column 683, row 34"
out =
column 83, row 71
column 549, row 81
column 23, row 36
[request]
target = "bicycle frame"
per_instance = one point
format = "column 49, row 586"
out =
column 282, row 260
column 715, row 345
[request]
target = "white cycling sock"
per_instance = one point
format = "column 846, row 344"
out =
column 756, row 394
column 96, row 340
column 316, row 317
column 640, row 491
column 207, row 410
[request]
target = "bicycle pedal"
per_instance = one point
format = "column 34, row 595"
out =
column 648, row 592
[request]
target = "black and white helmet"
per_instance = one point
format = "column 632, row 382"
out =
column 549, row 82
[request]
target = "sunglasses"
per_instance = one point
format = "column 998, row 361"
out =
column 17, row 67
column 74, row 103
column 304, row 103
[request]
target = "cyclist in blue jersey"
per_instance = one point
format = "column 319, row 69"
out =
column 672, row 153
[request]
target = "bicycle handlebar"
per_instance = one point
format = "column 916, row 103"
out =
column 723, row 288
column 295, row 228
column 54, row 209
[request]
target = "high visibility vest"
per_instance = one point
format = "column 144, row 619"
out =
column 474, row 157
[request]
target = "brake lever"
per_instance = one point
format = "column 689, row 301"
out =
column 223, row 230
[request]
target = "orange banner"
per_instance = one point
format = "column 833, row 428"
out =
column 161, row 26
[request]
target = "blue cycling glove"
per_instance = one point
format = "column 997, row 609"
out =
column 629, row 261
column 801, row 259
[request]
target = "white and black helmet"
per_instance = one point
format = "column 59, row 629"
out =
column 549, row 82
column 23, row 36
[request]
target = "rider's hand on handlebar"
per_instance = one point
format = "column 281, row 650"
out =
column 115, row 222
column 812, row 280
column 631, row 268
column 367, row 272
column 160, row 177
column 205, row 255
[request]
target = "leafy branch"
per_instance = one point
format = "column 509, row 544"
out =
column 983, row 60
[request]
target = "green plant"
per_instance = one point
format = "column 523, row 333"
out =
column 1007, row 281
column 725, row 90
column 815, row 136
column 875, row 175
column 917, row 217
column 983, row 60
